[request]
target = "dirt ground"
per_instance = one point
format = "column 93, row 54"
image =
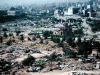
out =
column 59, row 72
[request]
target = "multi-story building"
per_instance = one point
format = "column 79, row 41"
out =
column 71, row 11
column 56, row 13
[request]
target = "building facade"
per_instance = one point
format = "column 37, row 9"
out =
column 65, row 30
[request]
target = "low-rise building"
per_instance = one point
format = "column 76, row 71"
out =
column 65, row 30
column 98, row 65
column 14, row 13
column 69, row 12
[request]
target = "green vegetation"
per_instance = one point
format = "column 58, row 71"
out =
column 96, row 45
column 46, row 42
column 79, row 20
column 10, row 34
column 29, row 39
column 3, row 65
column 40, row 63
column 55, row 20
column 70, row 42
column 56, row 38
column 41, row 41
column 17, row 33
column 4, row 29
column 52, row 57
column 60, row 44
column 37, row 35
column 34, row 38
column 21, row 37
column 28, row 61
column 38, row 31
column 52, row 36
column 5, row 34
column 69, row 53
column 9, row 42
column 47, row 34
column 8, row 18
column 95, row 24
column 78, row 32
column 84, row 49
column 71, row 20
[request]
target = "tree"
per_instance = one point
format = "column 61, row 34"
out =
column 96, row 45
column 79, row 41
column 88, row 46
column 40, row 63
column 65, row 47
column 13, row 40
column 4, row 29
column 69, row 53
column 60, row 44
column 5, row 34
column 56, row 40
column 51, row 58
column 47, row 34
column 12, row 8
column 46, row 42
column 29, row 39
column 85, row 54
column 4, row 66
column 10, row 34
column 26, row 61
column 97, row 56
column 21, row 37
column 81, row 49
column 9, row 42
column 34, row 38
column 1, row 39
column 41, row 41
column 38, row 36
column 17, row 33
column 70, row 42
column 78, row 32
column 88, row 20
column 79, row 20
column 73, row 45
column 84, row 49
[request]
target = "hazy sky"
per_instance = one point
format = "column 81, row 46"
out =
column 27, row 1
column 30, row 1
